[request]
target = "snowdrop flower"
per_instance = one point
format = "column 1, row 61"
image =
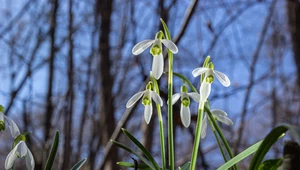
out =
column 185, row 114
column 209, row 72
column 20, row 151
column 220, row 115
column 156, row 51
column 14, row 130
column 147, row 94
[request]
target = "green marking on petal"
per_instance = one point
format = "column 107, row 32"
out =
column 185, row 101
column 1, row 108
column 146, row 101
column 155, row 50
column 209, row 79
column 2, row 125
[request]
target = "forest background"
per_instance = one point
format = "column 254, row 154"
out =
column 67, row 65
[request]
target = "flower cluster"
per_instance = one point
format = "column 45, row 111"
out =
column 207, row 73
column 157, row 70
column 19, row 149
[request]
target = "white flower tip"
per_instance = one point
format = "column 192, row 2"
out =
column 170, row 45
column 134, row 99
column 141, row 46
column 185, row 116
column 158, row 66
column 222, row 78
column 174, row 50
column 148, row 113
column 157, row 99
column 175, row 98
column 198, row 71
column 194, row 73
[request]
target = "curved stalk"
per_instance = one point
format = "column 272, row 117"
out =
column 161, row 128
column 197, row 138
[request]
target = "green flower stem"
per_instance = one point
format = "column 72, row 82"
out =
column 161, row 135
column 218, row 141
column 216, row 126
column 170, row 113
column 170, row 106
column 161, row 128
column 197, row 138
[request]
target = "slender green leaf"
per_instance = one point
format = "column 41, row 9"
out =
column 186, row 166
column 79, row 164
column 166, row 29
column 131, row 165
column 53, row 151
column 146, row 161
column 272, row 164
column 240, row 156
column 270, row 139
column 141, row 147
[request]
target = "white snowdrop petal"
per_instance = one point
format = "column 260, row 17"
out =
column 218, row 112
column 195, row 96
column 205, row 89
column 148, row 113
column 134, row 99
column 198, row 71
column 156, row 98
column 141, row 46
column 204, row 127
column 21, row 149
column 170, row 45
column 29, row 160
column 14, row 130
column 185, row 116
column 175, row 98
column 157, row 66
column 11, row 158
column 225, row 120
column 222, row 78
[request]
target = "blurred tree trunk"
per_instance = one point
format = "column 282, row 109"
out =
column 52, row 53
column 293, row 13
column 107, row 110
column 67, row 151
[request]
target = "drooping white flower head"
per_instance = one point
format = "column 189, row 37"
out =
column 14, row 130
column 185, row 114
column 208, row 71
column 219, row 115
column 20, row 151
column 148, row 96
column 156, row 51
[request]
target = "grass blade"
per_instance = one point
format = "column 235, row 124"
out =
column 186, row 166
column 79, row 164
column 132, row 165
column 53, row 151
column 146, row 161
column 270, row 139
column 141, row 147
column 240, row 156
